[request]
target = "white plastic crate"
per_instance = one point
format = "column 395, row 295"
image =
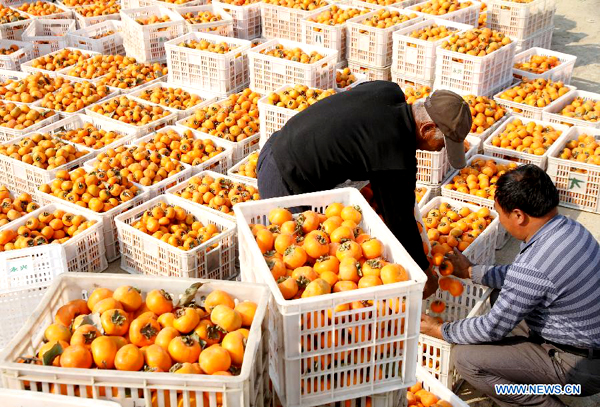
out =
column 240, row 149
column 434, row 353
column 470, row 74
column 138, row 388
column 388, row 399
column 427, row 196
column 517, row 156
column 468, row 15
column 520, row 20
column 404, row 81
column 131, row 4
column 89, row 21
column 24, row 277
column 20, row 398
column 283, row 23
column 223, row 27
column 233, row 172
column 6, row 75
column 62, row 12
column 48, row 35
column 84, row 252
column 268, row 73
column 542, row 39
column 109, row 45
column 22, row 178
column 503, row 235
column 525, row 110
column 207, row 98
column 289, row 320
column 217, row 73
column 30, row 69
column 553, row 114
column 327, row 36
column 370, row 72
column 111, row 241
column 174, row 191
column 483, row 249
column 433, row 166
column 14, row 31
column 561, row 72
column 13, row 61
column 138, row 130
column 360, row 78
column 414, row 57
column 7, row 134
column 578, row 183
column 371, row 45
column 144, row 254
column 112, row 92
column 146, row 43
column 246, row 19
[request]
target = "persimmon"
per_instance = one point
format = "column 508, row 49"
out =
column 298, row 97
column 129, row 297
column 476, row 42
column 393, row 273
column 62, row 345
column 214, row 359
column 129, row 358
column 438, row 306
column 369, row 281
column 218, row 297
column 104, row 349
column 57, row 332
column 326, row 263
column 247, row 310
column 186, row 319
column 455, row 288
column 294, row 256
column 76, row 356
column 330, row 277
column 106, row 304
column 156, row 357
column 159, row 302
column 387, row 18
column 85, row 335
column 143, row 331
column 208, row 332
column 316, row 287
column 184, row 349
column 115, row 322
column 349, row 249
column 350, row 270
column 226, row 318
column 344, row 77
column 265, row 240
column 233, row 343
column 97, row 295
column 288, row 287
column 372, row 248
column 316, row 244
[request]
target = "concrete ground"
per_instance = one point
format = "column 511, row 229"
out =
column 577, row 32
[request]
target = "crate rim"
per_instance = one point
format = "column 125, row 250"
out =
column 357, row 21
column 568, row 58
column 574, row 132
column 167, row 377
column 236, row 167
column 207, row 97
column 326, row 52
column 428, row 22
column 243, row 44
column 341, row 6
column 508, row 103
column 574, row 93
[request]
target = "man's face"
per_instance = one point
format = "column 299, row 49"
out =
column 429, row 137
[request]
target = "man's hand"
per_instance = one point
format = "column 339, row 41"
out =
column 430, row 326
column 431, row 285
column 462, row 265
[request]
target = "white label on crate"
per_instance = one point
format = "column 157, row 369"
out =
column 23, row 265
column 196, row 60
column 278, row 68
column 19, row 171
column 411, row 55
column 458, row 71
column 318, row 38
column 284, row 15
column 151, row 246
column 504, row 17
column 363, row 42
column 577, row 182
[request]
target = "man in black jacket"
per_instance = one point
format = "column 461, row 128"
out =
column 368, row 133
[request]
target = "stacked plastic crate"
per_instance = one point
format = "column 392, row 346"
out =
column 530, row 24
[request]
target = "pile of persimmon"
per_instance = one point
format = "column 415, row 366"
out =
column 478, row 41
column 99, row 191
column 344, row 78
column 201, row 17
column 441, row 7
column 420, row 193
column 8, row 15
column 99, row 9
column 298, row 4
column 138, row 164
column 89, row 136
column 153, row 20
column 414, row 93
column 482, row 20
column 42, row 151
column 31, row 88
column 48, row 227
column 538, row 64
column 75, row 96
column 176, row 1
column 20, row 117
column 9, row 50
column 134, row 75
column 485, row 112
column 240, row 2
column 174, row 98
column 530, row 138
column 293, row 54
column 316, row 254
column 537, row 93
column 234, row 119
column 129, row 111
column 298, row 97
column 39, row 8
column 182, row 147
column 336, row 15
column 128, row 330
column 12, row 209
column 479, row 178
column 448, row 228
column 381, row 2
column 75, row 3
column 174, row 225
column 583, row 109
column 59, row 60
column 99, row 65
column 209, row 46
column 433, row 32
column 248, row 169
column 584, row 149
column 103, row 34
column 387, row 18
column 419, row 397
column 220, row 194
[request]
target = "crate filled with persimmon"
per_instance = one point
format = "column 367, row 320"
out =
column 246, row 17
column 283, row 19
column 460, row 11
column 208, row 18
column 105, row 37
column 13, row 23
column 576, row 108
column 339, row 330
column 180, row 333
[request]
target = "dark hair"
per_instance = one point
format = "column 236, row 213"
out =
column 527, row 188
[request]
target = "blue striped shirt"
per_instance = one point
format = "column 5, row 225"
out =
column 553, row 284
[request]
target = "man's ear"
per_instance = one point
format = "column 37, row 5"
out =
column 520, row 217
